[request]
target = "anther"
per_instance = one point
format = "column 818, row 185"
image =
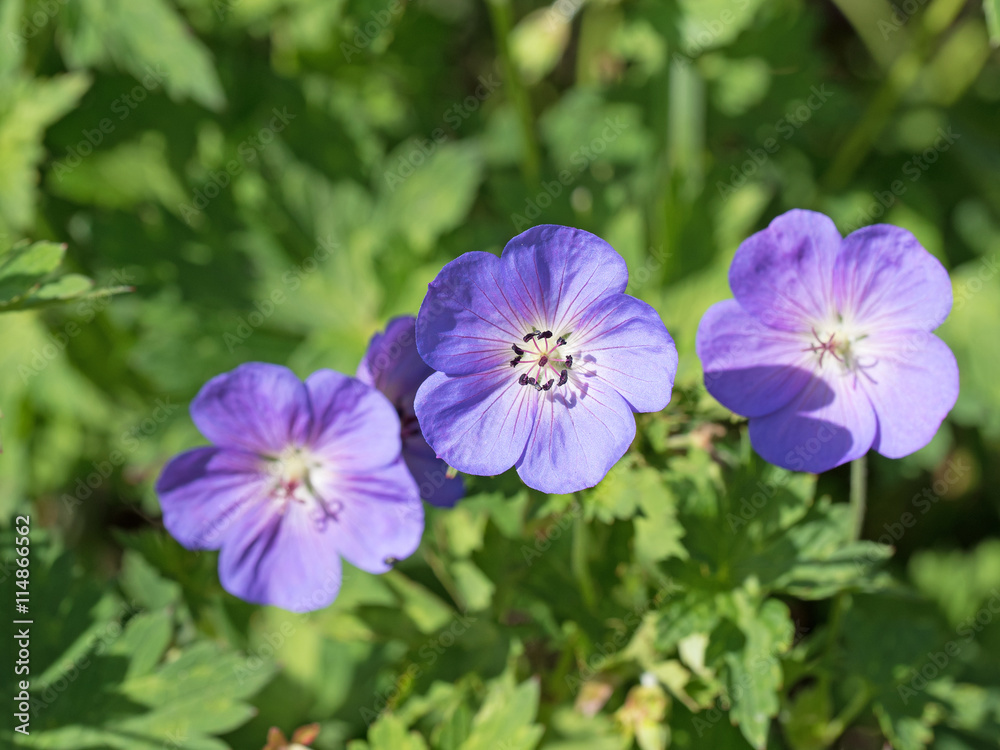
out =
column 515, row 362
column 569, row 361
column 563, row 377
column 560, row 341
column 548, row 385
column 523, row 380
column 529, row 336
column 532, row 381
column 517, row 350
column 543, row 361
column 545, row 335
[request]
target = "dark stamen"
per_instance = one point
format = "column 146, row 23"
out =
column 543, row 361
column 545, row 335
column 548, row 385
column 532, row 381
column 517, row 350
column 560, row 341
column 569, row 361
column 563, row 377
column 523, row 380
column 529, row 336
column 515, row 362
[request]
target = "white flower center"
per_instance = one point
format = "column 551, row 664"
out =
column 541, row 363
column 295, row 472
column 837, row 345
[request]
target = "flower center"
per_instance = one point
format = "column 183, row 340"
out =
column 293, row 472
column 838, row 344
column 541, row 363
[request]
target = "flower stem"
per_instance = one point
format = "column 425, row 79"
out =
column 578, row 560
column 500, row 17
column 859, row 494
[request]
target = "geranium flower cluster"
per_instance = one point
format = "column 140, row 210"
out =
column 538, row 360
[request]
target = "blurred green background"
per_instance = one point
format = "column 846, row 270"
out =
column 277, row 178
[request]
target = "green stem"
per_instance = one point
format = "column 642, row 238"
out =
column 501, row 19
column 846, row 717
column 579, row 554
column 903, row 73
column 859, row 495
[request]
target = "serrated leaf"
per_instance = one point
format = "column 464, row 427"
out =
column 475, row 587
column 27, row 108
column 425, row 201
column 22, row 268
column 426, row 610
column 390, row 733
column 507, row 717
column 149, row 40
column 755, row 674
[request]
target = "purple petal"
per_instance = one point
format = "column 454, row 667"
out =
column 468, row 321
column 431, row 473
column 913, row 384
column 379, row 516
column 556, row 273
column 628, row 346
column 579, row 435
column 392, row 363
column 203, row 491
column 885, row 279
column 281, row 558
column 750, row 368
column 257, row 407
column 783, row 274
column 830, row 422
column 355, row 426
column 477, row 423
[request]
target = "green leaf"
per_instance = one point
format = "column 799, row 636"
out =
column 507, row 717
column 27, row 108
column 755, row 674
column 22, row 273
column 476, row 589
column 117, row 686
column 992, row 10
column 147, row 39
column 389, row 733
column 22, row 268
column 425, row 201
column 122, row 177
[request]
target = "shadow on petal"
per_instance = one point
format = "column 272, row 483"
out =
column 828, row 423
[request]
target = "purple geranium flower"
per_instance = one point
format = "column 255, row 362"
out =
column 542, row 360
column 393, row 365
column 301, row 475
column 827, row 347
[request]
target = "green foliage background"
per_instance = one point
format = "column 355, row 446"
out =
column 273, row 179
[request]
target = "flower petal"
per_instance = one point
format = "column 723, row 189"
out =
column 354, row 425
column 467, row 322
column 579, row 435
column 392, row 364
column 558, row 272
column 885, row 278
column 912, row 383
column 477, row 423
column 281, row 558
column 783, row 274
column 830, row 422
column 203, row 491
column 749, row 367
column 379, row 516
column 431, row 473
column 258, row 407
column 626, row 343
